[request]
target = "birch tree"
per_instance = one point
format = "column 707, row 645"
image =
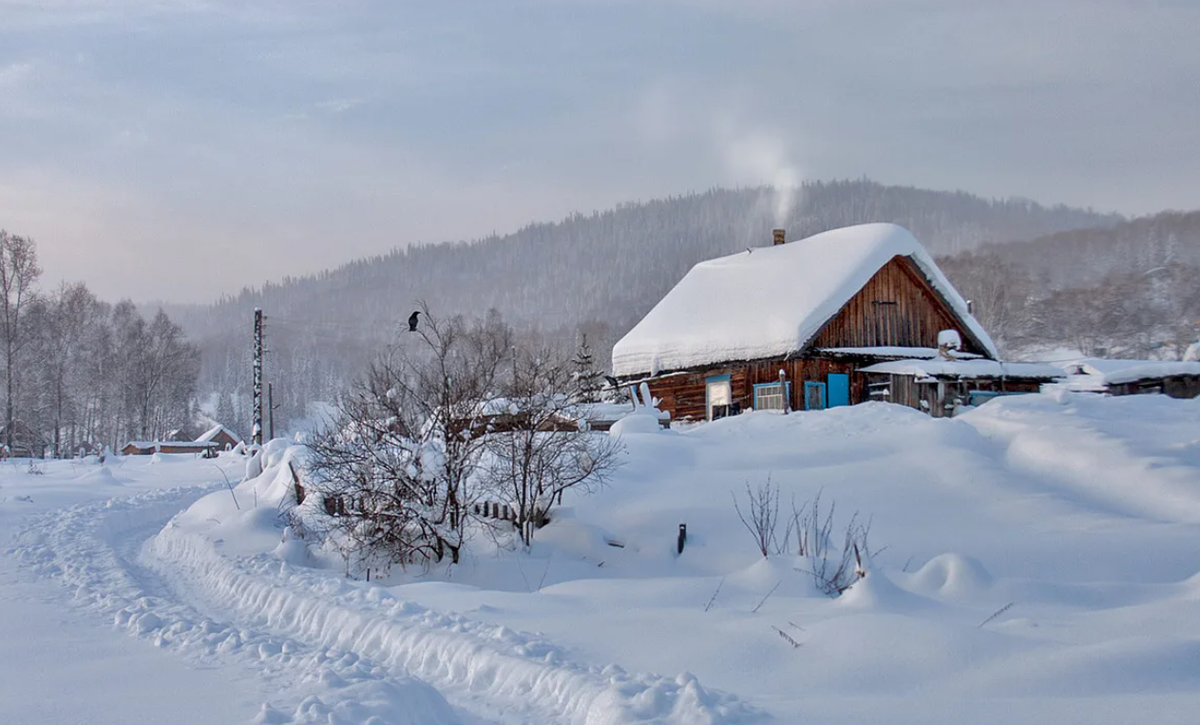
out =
column 19, row 272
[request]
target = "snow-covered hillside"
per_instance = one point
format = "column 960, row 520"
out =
column 1035, row 562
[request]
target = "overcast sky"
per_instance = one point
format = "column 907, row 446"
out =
column 179, row 150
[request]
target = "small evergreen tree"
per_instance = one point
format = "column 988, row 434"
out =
column 587, row 377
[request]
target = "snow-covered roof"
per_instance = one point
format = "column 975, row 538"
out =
column 1095, row 374
column 197, row 445
column 899, row 353
column 1098, row 365
column 216, row 431
column 1151, row 371
column 965, row 369
column 770, row 301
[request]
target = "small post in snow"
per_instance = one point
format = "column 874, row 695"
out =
column 257, row 432
column 783, row 390
column 682, row 538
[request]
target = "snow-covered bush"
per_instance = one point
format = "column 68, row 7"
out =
column 542, row 447
column 452, row 417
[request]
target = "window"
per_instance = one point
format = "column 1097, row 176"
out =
column 770, row 396
column 814, row 396
column 719, row 397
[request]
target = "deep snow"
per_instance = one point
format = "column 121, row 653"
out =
column 1037, row 563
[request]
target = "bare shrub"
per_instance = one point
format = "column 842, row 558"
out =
column 833, row 565
column 761, row 517
column 834, row 561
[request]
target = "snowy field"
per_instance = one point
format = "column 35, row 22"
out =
column 1037, row 561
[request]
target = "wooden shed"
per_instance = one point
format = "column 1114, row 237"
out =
column 792, row 324
column 1134, row 377
column 945, row 384
column 222, row 436
column 145, row 448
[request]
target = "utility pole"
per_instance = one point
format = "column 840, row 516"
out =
column 257, row 434
column 271, row 408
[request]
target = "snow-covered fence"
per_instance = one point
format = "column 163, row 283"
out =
column 494, row 510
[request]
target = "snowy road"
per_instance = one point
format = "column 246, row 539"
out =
column 95, row 549
column 332, row 651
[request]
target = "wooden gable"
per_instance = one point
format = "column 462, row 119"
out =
column 896, row 307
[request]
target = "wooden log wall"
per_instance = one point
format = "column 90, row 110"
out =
column 685, row 395
column 1175, row 386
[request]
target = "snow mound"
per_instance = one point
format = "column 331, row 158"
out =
column 877, row 593
column 951, row 575
column 369, row 701
column 645, row 418
column 635, row 424
column 102, row 475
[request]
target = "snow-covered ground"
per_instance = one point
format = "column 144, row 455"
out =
column 1037, row 562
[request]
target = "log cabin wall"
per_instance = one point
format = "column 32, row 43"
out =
column 684, row 395
column 896, row 307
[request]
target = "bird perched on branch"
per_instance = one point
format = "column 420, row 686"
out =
column 412, row 321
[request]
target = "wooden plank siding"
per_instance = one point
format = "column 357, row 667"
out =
column 896, row 307
column 1174, row 386
column 937, row 397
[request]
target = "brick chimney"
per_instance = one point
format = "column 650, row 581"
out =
column 777, row 237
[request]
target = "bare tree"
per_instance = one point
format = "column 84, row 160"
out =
column 450, row 414
column 19, row 271
column 539, row 444
column 396, row 468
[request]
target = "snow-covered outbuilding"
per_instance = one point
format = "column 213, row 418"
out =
column 222, row 436
column 793, row 324
column 146, row 448
column 942, row 384
column 1134, row 377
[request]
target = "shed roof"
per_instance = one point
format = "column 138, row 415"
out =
column 965, row 369
column 216, row 431
column 770, row 301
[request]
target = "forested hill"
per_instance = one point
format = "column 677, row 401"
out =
column 1124, row 290
column 601, row 271
column 1081, row 257
column 612, row 265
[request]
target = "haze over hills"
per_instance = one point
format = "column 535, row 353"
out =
column 597, row 273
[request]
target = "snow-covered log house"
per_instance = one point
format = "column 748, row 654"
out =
column 222, row 436
column 793, row 325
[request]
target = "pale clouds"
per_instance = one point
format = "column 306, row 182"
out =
column 181, row 150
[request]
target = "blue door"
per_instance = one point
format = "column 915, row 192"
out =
column 839, row 389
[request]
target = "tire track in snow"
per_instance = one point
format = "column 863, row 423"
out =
column 95, row 548
column 342, row 637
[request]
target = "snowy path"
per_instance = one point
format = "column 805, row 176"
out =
column 335, row 652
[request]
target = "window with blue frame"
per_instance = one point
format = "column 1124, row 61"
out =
column 718, row 395
column 771, row 396
column 814, row 396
